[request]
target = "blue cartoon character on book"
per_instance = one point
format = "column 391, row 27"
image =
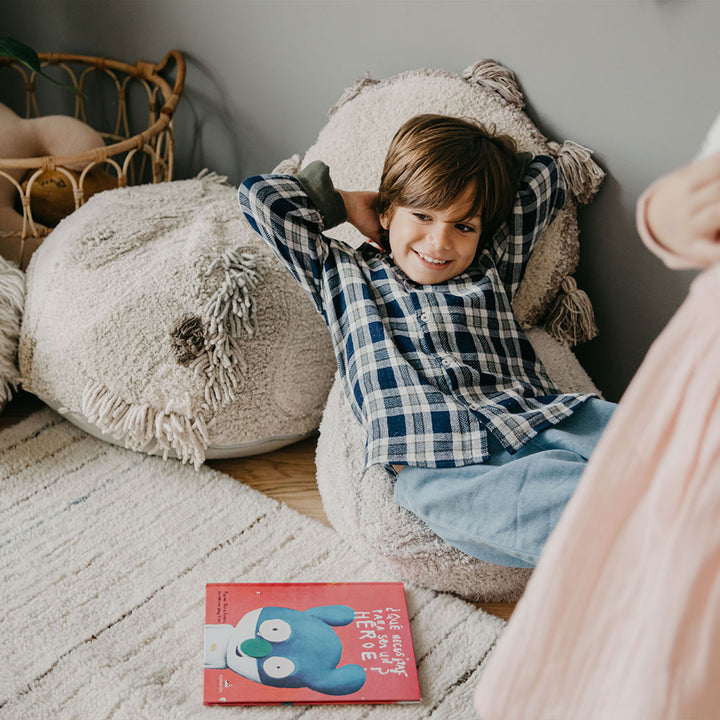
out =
column 287, row 648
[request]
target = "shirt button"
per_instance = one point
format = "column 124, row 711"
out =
column 446, row 361
column 424, row 317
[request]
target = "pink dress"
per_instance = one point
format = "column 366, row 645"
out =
column 621, row 619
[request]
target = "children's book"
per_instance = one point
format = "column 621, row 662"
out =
column 311, row 643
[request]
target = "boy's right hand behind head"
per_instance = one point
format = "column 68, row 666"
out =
column 683, row 211
column 360, row 206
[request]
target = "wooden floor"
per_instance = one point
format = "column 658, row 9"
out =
column 287, row 475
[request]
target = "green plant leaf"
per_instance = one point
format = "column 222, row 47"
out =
column 14, row 49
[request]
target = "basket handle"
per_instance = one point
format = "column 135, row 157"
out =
column 176, row 55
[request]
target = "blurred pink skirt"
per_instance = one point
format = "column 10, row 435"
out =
column 621, row 619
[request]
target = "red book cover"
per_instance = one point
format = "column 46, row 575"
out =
column 271, row 643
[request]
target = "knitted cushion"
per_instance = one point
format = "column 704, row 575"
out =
column 12, row 297
column 157, row 318
column 353, row 144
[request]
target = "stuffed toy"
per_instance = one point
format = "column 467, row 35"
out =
column 52, row 193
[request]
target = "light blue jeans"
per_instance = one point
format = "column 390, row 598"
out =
column 503, row 510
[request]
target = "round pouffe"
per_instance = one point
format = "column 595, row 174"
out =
column 157, row 319
column 353, row 144
column 361, row 507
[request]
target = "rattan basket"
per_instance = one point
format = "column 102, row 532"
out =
column 132, row 157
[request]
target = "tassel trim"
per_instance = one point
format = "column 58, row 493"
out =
column 141, row 427
column 582, row 174
column 352, row 92
column 290, row 166
column 226, row 314
column 233, row 305
column 212, row 177
column 12, row 292
column 571, row 318
column 219, row 368
column 490, row 74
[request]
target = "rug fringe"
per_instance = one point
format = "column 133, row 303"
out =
column 142, row 427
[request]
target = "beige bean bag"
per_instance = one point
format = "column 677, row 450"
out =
column 353, row 144
column 157, row 319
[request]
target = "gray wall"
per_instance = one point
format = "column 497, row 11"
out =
column 635, row 81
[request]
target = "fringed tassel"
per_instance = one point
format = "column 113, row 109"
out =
column 582, row 174
column 141, row 427
column 290, row 166
column 232, row 306
column 219, row 368
column 230, row 310
column 211, row 177
column 352, row 92
column 494, row 76
column 571, row 317
column 12, row 291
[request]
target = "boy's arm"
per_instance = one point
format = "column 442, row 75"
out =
column 678, row 216
column 290, row 214
column 540, row 196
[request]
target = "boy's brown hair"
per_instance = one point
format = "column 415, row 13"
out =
column 433, row 158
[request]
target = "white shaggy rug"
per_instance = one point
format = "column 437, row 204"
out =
column 105, row 556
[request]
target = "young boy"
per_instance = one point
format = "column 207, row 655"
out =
column 435, row 366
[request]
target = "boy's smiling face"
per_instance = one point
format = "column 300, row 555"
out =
column 434, row 245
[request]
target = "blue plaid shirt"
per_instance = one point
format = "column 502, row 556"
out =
column 429, row 370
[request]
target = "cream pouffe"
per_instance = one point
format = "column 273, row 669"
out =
column 549, row 306
column 157, row 319
column 12, row 300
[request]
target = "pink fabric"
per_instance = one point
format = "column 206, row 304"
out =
column 671, row 259
column 621, row 619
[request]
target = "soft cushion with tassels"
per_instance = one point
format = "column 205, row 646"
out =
column 157, row 319
column 549, row 306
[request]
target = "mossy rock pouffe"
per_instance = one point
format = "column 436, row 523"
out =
column 157, row 319
column 548, row 305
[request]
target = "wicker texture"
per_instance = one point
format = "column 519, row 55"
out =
column 131, row 158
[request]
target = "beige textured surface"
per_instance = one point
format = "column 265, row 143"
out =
column 12, row 299
column 105, row 558
column 107, row 291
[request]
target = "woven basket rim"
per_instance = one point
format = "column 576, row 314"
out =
column 141, row 70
